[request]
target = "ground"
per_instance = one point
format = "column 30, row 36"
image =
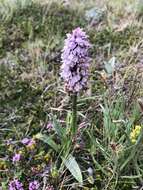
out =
column 106, row 152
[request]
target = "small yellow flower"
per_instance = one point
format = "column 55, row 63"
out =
column 21, row 151
column 132, row 135
column 135, row 133
column 133, row 141
column 54, row 172
column 47, row 157
column 138, row 129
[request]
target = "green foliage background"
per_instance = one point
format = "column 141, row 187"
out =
column 32, row 34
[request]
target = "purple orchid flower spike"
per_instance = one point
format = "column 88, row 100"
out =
column 76, row 61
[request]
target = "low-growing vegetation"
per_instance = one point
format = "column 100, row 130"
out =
column 51, row 139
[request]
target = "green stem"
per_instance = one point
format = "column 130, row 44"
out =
column 74, row 113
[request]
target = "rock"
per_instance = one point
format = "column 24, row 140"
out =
column 94, row 15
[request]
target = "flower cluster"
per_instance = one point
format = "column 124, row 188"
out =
column 29, row 143
column 15, row 185
column 34, row 185
column 16, row 158
column 76, row 61
column 135, row 133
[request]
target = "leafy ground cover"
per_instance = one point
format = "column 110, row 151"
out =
column 35, row 110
